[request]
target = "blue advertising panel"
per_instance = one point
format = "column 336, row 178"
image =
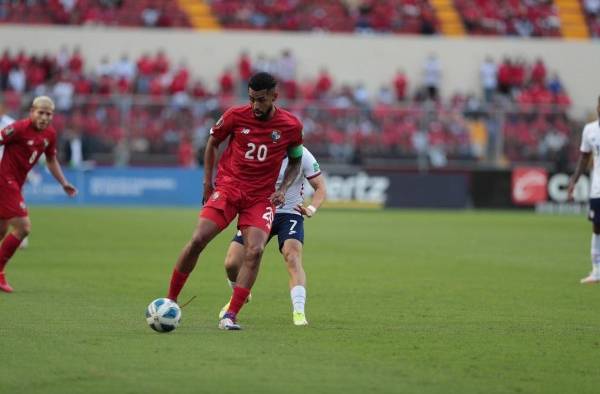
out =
column 109, row 186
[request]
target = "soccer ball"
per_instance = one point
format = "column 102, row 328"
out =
column 163, row 315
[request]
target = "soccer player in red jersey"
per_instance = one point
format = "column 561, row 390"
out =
column 260, row 136
column 24, row 142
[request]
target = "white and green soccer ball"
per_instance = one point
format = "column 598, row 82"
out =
column 163, row 315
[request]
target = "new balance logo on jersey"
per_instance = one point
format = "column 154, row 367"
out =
column 246, row 131
column 30, row 142
column 215, row 196
column 268, row 216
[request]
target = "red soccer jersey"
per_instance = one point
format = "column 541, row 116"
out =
column 23, row 145
column 256, row 148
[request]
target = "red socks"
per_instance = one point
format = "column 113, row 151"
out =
column 177, row 281
column 7, row 249
column 238, row 299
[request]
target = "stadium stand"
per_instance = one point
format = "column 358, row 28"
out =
column 154, row 106
column 139, row 13
column 414, row 16
column 591, row 9
column 536, row 18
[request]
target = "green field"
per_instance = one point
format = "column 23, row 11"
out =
column 398, row 302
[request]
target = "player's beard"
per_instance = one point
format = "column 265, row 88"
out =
column 263, row 115
column 41, row 125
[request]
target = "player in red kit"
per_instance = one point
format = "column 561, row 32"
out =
column 260, row 136
column 24, row 142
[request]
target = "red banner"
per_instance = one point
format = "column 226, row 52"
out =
column 529, row 185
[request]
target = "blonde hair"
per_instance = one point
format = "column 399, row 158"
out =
column 42, row 100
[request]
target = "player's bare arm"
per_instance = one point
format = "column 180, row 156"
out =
column 56, row 171
column 210, row 156
column 291, row 172
column 582, row 165
column 318, row 184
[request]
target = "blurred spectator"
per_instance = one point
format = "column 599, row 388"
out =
column 185, row 153
column 264, row 64
column 161, row 62
column 361, row 95
column 76, row 62
column 385, row 96
column 400, row 85
column 17, row 79
column 124, row 68
column 523, row 26
column 5, row 67
column 432, row 74
column 150, row 16
column 244, row 72
column 62, row 58
column 104, row 69
column 63, row 94
column 592, row 7
column 538, row 72
column 286, row 73
column 324, row 83
column 75, row 149
column 504, row 77
column 180, row 79
column 226, row 82
column 145, row 70
column 489, row 78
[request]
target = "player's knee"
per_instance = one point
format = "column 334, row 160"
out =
column 23, row 230
column 198, row 243
column 254, row 252
column 292, row 258
column 231, row 263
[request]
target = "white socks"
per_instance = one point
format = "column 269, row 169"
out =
column 596, row 254
column 298, row 294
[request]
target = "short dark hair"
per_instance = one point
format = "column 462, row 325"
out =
column 261, row 81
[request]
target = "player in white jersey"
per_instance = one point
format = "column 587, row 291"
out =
column 288, row 226
column 6, row 120
column 590, row 146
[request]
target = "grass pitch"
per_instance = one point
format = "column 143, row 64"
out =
column 398, row 302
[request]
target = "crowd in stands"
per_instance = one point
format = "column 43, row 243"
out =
column 592, row 13
column 532, row 18
column 412, row 16
column 148, row 105
column 146, row 13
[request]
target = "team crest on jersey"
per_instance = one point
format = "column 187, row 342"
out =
column 30, row 142
column 9, row 131
column 275, row 135
column 46, row 143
